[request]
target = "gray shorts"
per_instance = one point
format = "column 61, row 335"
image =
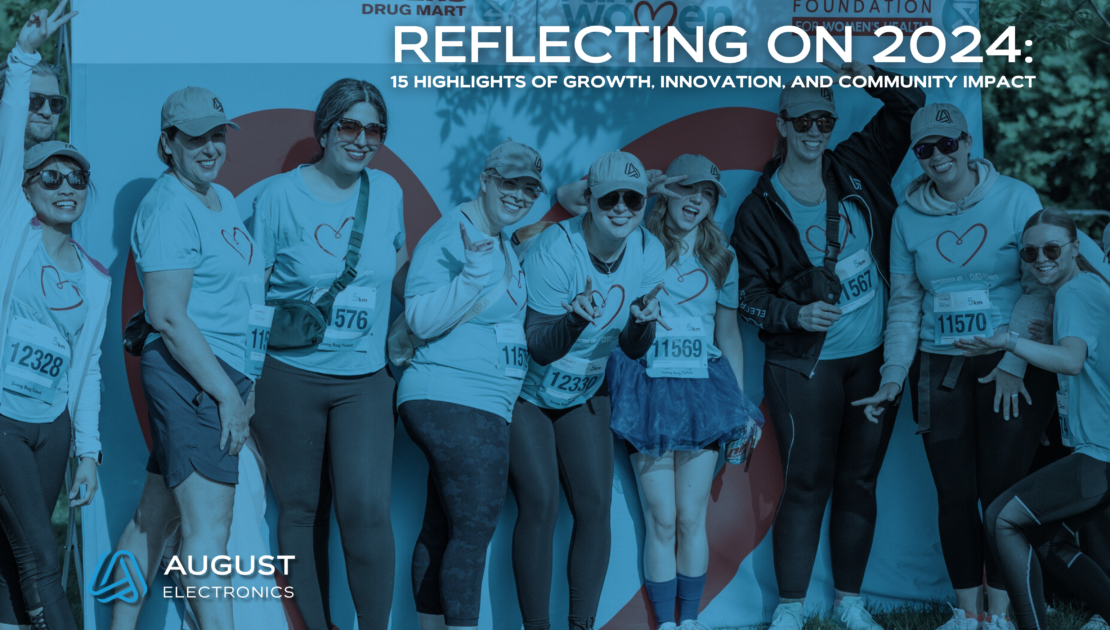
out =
column 184, row 421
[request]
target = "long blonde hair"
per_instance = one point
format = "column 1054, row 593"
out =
column 710, row 247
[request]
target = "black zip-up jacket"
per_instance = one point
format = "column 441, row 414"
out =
column 776, row 276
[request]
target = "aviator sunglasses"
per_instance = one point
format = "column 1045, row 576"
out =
column 348, row 131
column 802, row 124
column 1051, row 251
column 947, row 146
column 632, row 199
column 57, row 103
column 52, row 180
column 510, row 186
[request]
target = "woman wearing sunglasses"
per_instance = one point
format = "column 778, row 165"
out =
column 53, row 317
column 465, row 294
column 324, row 413
column 1031, row 526
column 685, row 397
column 812, row 242
column 592, row 285
column 956, row 275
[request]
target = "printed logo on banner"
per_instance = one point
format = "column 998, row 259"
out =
column 686, row 16
column 130, row 588
column 492, row 10
column 864, row 17
column 652, row 14
column 957, row 13
column 488, row 10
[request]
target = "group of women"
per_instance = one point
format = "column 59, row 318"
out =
column 521, row 357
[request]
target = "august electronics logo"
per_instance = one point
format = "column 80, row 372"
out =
column 118, row 577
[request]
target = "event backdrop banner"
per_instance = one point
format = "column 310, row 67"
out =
column 269, row 61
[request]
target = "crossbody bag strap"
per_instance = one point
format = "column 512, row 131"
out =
column 354, row 246
column 832, row 232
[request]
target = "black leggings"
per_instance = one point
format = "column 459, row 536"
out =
column 32, row 470
column 321, row 437
column 826, row 446
column 573, row 446
column 468, row 461
column 974, row 454
column 1033, row 524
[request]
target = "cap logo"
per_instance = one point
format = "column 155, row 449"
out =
column 715, row 172
column 538, row 164
column 217, row 105
column 944, row 117
column 826, row 94
column 631, row 170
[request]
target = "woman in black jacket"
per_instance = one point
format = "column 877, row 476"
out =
column 812, row 245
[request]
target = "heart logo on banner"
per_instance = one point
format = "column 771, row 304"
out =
column 704, row 286
column 652, row 14
column 237, row 246
column 961, row 247
column 331, row 233
column 845, row 231
column 58, row 293
column 605, row 303
column 519, row 285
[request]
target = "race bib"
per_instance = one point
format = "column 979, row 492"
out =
column 512, row 349
column 857, row 277
column 258, row 338
column 36, row 358
column 1062, row 409
column 571, row 381
column 352, row 315
column 961, row 315
column 681, row 352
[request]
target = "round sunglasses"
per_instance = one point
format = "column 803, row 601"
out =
column 632, row 200
column 1051, row 251
column 52, row 180
column 57, row 103
column 348, row 131
column 947, row 146
column 510, row 186
column 802, row 124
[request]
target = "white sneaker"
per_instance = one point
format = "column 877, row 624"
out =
column 692, row 624
column 1096, row 623
column 997, row 622
column 787, row 617
column 851, row 613
column 959, row 621
column 668, row 625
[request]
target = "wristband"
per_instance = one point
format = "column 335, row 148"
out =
column 1011, row 342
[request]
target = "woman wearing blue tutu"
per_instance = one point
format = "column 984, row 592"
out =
column 685, row 397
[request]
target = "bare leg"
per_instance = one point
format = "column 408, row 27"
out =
column 206, row 510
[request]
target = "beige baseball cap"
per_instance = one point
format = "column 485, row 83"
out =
column 512, row 159
column 194, row 111
column 617, row 170
column 799, row 101
column 43, row 151
column 937, row 119
column 696, row 168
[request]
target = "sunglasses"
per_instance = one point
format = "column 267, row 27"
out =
column 52, row 180
column 1051, row 251
column 348, row 131
column 510, row 186
column 632, row 200
column 802, row 124
column 57, row 103
column 947, row 146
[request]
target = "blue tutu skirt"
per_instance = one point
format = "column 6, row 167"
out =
column 657, row 415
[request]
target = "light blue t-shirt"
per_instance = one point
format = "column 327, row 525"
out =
column 1082, row 310
column 47, row 312
column 174, row 230
column 689, row 292
column 960, row 258
column 473, row 364
column 863, row 300
column 557, row 267
column 305, row 241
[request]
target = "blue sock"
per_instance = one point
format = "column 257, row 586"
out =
column 662, row 596
column 689, row 596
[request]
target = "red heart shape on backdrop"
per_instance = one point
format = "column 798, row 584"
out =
column 654, row 12
column 704, row 286
column 846, row 229
column 237, row 246
column 605, row 303
column 335, row 234
column 957, row 247
column 56, row 295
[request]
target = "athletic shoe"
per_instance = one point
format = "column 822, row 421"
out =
column 852, row 614
column 668, row 625
column 997, row 622
column 1096, row 623
column 787, row 617
column 692, row 624
column 960, row 621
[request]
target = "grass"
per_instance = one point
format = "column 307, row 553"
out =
column 930, row 616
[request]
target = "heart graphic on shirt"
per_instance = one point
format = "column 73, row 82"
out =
column 845, row 231
column 331, row 234
column 605, row 302
column 704, row 286
column 237, row 246
column 519, row 285
column 961, row 247
column 652, row 14
column 60, row 292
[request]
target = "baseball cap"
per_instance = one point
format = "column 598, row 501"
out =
column 937, row 119
column 696, row 168
column 799, row 101
column 194, row 111
column 617, row 170
column 43, row 151
column 512, row 159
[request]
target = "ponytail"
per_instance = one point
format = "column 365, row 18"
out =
column 1085, row 265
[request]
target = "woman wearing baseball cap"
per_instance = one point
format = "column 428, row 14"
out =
column 812, row 242
column 52, row 317
column 465, row 295
column 592, row 285
column 325, row 410
column 955, row 274
column 685, row 398
column 204, row 299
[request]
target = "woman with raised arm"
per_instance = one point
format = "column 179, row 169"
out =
column 53, row 316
